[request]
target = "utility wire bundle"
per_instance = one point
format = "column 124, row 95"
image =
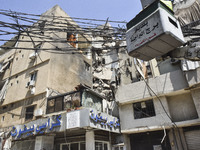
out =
column 41, row 30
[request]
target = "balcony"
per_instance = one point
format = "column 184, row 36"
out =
column 161, row 85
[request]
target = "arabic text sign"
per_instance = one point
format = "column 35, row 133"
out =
column 35, row 129
column 104, row 121
column 144, row 32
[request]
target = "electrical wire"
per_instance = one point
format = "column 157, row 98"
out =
column 175, row 125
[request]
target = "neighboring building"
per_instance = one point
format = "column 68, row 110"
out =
column 48, row 98
column 162, row 112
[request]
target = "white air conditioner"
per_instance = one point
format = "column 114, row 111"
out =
column 31, row 83
column 32, row 55
column 38, row 112
column 32, row 90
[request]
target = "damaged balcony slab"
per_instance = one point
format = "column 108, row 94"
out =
column 161, row 85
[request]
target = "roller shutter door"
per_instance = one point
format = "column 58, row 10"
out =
column 193, row 139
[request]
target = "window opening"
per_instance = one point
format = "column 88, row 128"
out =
column 101, row 146
column 29, row 112
column 103, row 61
column 144, row 109
column 33, row 76
column 87, row 66
column 3, row 117
column 73, row 146
column 68, row 103
column 4, row 107
column 55, row 105
column 71, row 38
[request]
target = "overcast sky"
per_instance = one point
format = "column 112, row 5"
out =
column 120, row 10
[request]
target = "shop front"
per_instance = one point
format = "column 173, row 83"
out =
column 82, row 129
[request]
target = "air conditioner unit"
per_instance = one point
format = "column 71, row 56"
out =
column 38, row 112
column 32, row 90
column 32, row 55
column 31, row 83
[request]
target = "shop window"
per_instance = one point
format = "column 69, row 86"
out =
column 71, row 38
column 101, row 146
column 119, row 148
column 55, row 105
column 73, row 146
column 144, row 109
column 29, row 112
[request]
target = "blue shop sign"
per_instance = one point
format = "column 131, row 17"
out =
column 36, row 129
column 103, row 121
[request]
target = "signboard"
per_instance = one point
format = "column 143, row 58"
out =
column 104, row 121
column 36, row 127
column 153, row 32
column 73, row 119
column 144, row 32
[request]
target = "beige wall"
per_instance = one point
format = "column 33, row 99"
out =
column 59, row 72
column 67, row 71
column 17, row 89
column 15, row 113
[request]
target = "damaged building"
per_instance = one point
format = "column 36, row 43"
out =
column 58, row 93
column 161, row 111
column 78, row 91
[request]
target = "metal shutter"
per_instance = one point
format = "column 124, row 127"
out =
column 193, row 139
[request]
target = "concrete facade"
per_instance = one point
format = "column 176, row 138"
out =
column 51, row 79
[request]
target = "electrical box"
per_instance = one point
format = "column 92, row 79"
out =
column 153, row 32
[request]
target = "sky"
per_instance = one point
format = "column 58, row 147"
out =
column 119, row 10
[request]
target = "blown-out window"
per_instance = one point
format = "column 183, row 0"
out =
column 29, row 112
column 71, row 38
column 55, row 105
column 144, row 109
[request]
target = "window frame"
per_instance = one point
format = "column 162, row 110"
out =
column 144, row 109
column 72, row 103
column 79, row 144
column 103, row 143
column 29, row 114
column 33, row 76
column 70, row 41
column 54, row 107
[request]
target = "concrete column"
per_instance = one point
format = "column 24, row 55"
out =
column 177, row 139
column 89, row 140
column 127, row 145
column 44, row 143
column 196, row 98
column 1, row 141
